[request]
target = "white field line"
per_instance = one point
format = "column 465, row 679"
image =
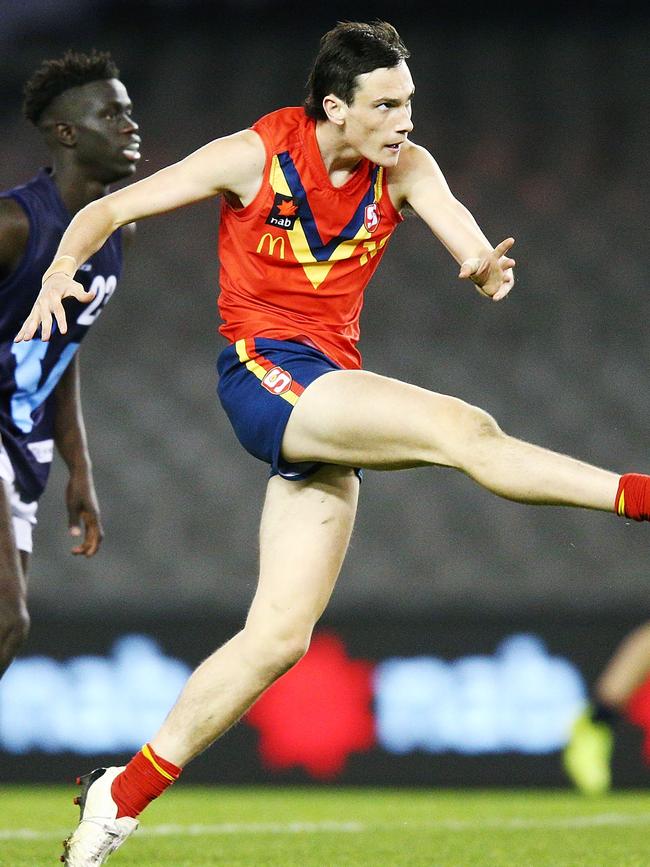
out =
column 513, row 824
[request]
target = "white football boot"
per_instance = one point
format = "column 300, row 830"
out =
column 99, row 833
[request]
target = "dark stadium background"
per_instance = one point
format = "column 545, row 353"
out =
column 540, row 119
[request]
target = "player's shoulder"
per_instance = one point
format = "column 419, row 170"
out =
column 14, row 222
column 415, row 165
column 284, row 125
column 247, row 148
column 14, row 234
column 241, row 149
column 288, row 116
column 413, row 158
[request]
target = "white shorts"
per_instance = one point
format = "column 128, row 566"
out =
column 23, row 515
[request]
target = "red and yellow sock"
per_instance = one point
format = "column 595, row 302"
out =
column 633, row 497
column 145, row 777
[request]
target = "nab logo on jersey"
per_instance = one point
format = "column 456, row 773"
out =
column 284, row 212
column 277, row 381
column 371, row 217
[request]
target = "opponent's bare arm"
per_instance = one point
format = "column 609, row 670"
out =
column 418, row 182
column 84, row 519
column 14, row 234
column 233, row 165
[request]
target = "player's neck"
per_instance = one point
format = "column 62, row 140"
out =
column 76, row 189
column 339, row 158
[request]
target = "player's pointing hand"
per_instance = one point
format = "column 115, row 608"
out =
column 492, row 273
column 49, row 304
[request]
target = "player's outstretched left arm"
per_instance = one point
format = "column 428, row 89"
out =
column 418, row 181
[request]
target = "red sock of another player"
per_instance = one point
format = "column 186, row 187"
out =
column 145, row 777
column 633, row 497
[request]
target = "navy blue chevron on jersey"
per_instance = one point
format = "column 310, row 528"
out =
column 29, row 371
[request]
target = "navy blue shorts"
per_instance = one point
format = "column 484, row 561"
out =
column 260, row 382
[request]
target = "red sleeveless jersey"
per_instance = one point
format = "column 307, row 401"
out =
column 296, row 260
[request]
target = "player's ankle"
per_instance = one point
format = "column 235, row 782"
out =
column 633, row 497
column 145, row 778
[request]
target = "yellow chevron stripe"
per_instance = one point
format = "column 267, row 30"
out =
column 146, row 752
column 621, row 504
column 315, row 271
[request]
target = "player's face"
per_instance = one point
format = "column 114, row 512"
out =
column 107, row 144
column 378, row 120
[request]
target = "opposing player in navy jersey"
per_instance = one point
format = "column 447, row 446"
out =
column 83, row 112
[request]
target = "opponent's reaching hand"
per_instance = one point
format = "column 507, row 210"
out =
column 49, row 304
column 492, row 274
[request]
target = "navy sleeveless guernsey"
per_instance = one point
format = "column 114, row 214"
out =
column 29, row 371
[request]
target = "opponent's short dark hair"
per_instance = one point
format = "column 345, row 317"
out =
column 54, row 77
column 350, row 49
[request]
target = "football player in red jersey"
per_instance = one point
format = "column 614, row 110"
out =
column 311, row 197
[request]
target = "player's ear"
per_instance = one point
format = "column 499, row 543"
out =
column 63, row 133
column 334, row 108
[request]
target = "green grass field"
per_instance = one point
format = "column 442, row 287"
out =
column 193, row 826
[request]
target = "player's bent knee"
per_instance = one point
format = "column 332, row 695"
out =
column 289, row 652
column 277, row 649
column 485, row 433
column 478, row 431
column 286, row 649
column 486, row 426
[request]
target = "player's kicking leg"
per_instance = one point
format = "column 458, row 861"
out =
column 304, row 534
column 362, row 419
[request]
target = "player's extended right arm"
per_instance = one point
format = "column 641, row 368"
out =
column 234, row 164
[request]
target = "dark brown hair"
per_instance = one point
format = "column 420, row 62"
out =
column 348, row 50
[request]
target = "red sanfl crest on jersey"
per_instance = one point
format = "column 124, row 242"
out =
column 371, row 217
